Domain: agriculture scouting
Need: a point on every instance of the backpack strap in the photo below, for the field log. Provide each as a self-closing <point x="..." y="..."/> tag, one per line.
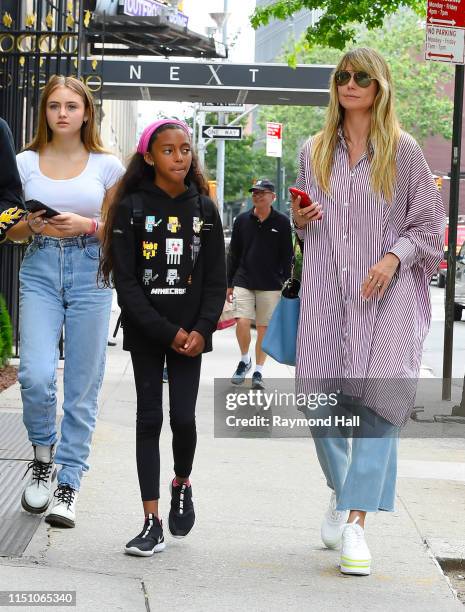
<point x="138" y="218"/>
<point x="207" y="218"/>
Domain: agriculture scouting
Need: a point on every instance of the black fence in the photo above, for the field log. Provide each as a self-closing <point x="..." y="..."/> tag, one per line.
<point x="33" y="46"/>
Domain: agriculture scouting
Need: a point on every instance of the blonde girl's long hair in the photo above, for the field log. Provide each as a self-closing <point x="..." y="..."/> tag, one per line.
<point x="384" y="130"/>
<point x="89" y="133"/>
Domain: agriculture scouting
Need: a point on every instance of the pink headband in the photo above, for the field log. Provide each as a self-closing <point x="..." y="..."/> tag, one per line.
<point x="144" y="140"/>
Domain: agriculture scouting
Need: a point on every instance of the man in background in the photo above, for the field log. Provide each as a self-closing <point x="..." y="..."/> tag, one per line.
<point x="259" y="262"/>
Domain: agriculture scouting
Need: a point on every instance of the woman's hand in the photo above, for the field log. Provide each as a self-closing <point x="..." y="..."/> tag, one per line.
<point x="380" y="276"/>
<point x="194" y="345"/>
<point x="37" y="223"/>
<point x="303" y="216"/>
<point x="70" y="224"/>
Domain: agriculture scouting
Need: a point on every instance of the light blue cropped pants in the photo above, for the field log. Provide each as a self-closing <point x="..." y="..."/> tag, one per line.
<point x="361" y="470"/>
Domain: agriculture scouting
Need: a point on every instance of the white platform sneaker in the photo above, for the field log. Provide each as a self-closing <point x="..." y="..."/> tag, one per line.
<point x="355" y="555"/>
<point x="38" y="492"/>
<point x="63" y="511"/>
<point x="333" y="524"/>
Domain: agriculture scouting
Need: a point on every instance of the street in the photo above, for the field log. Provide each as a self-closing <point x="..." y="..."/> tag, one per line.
<point x="259" y="503"/>
<point x="434" y="343"/>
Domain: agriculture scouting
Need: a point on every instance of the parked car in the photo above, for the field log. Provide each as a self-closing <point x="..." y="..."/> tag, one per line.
<point x="442" y="271"/>
<point x="459" y="304"/>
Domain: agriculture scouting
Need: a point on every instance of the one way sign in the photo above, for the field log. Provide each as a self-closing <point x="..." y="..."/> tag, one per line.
<point x="222" y="131"/>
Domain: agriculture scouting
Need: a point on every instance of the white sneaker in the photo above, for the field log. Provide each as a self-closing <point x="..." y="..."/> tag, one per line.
<point x="38" y="492"/>
<point x="355" y="555"/>
<point x="63" y="512"/>
<point x="333" y="523"/>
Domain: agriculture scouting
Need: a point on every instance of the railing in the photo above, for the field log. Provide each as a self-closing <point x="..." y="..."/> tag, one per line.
<point x="38" y="38"/>
<point x="11" y="256"/>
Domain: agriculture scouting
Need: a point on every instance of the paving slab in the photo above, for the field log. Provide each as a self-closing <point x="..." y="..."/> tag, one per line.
<point x="101" y="592"/>
<point x="259" y="503"/>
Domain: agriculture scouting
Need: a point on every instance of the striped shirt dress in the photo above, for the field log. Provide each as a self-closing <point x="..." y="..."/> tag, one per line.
<point x="368" y="349"/>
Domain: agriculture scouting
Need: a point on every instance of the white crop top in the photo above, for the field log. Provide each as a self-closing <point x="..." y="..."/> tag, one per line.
<point x="82" y="194"/>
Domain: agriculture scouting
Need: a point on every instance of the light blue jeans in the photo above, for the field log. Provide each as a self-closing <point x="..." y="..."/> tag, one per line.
<point x="58" y="290"/>
<point x="361" y="470"/>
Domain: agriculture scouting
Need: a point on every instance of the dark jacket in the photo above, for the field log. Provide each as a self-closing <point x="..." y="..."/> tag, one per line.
<point x="11" y="190"/>
<point x="260" y="253"/>
<point x="159" y="285"/>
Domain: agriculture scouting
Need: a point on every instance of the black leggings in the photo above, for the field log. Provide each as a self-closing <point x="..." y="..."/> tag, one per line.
<point x="184" y="377"/>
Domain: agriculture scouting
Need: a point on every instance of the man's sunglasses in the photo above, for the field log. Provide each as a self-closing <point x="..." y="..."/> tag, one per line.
<point x="363" y="79"/>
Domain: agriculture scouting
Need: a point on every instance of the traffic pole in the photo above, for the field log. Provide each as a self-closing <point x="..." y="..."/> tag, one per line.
<point x="220" y="160"/>
<point x="194" y="125"/>
<point x="201" y="145"/>
<point x="278" y="184"/>
<point x="222" y="120"/>
<point x="452" y="237"/>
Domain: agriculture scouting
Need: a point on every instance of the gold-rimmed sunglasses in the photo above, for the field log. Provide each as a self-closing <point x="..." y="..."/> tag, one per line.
<point x="361" y="78"/>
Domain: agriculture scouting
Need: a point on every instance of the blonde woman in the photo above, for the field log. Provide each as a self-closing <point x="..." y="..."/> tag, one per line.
<point x="373" y="237"/>
<point x="66" y="168"/>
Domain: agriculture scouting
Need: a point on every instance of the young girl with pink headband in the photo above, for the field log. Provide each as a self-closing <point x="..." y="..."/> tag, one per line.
<point x="164" y="249"/>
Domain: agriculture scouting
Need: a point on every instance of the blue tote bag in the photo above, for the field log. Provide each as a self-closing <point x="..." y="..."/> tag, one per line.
<point x="281" y="336"/>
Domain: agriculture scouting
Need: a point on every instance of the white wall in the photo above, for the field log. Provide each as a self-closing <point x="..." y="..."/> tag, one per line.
<point x="119" y="127"/>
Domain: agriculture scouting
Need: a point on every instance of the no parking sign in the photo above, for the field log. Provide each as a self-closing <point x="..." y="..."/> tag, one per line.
<point x="274" y="139"/>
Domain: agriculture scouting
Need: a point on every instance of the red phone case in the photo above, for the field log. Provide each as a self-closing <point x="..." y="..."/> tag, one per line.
<point x="304" y="197"/>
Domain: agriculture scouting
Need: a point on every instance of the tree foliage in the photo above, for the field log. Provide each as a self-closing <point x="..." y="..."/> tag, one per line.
<point x="422" y="105"/>
<point x="335" y="28"/>
<point x="6" y="333"/>
<point x="239" y="166"/>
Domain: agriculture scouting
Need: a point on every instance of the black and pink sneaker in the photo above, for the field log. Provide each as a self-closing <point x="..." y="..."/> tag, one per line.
<point x="182" y="516"/>
<point x="150" y="540"/>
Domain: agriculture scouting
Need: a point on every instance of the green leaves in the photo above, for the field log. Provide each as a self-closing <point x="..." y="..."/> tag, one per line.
<point x="422" y="105"/>
<point x="277" y="10"/>
<point x="239" y="166"/>
<point x="335" y="28"/>
<point x="6" y="333"/>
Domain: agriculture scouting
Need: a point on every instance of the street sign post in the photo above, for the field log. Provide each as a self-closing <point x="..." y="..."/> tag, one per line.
<point x="221" y="107"/>
<point x="222" y="131"/>
<point x="274" y="139"/>
<point x="445" y="31"/>
<point x="452" y="235"/>
<point x="445" y="42"/>
<point x="446" y="13"/>
<point x="274" y="148"/>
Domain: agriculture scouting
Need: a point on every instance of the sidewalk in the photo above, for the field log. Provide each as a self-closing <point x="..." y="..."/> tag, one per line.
<point x="259" y="502"/>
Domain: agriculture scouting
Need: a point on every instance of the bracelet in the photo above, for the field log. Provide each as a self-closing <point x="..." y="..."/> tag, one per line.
<point x="94" y="229"/>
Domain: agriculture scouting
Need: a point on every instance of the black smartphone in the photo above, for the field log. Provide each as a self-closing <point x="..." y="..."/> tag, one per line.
<point x="35" y="206"/>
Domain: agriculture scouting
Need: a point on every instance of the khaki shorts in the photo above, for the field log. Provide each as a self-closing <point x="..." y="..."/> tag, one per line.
<point x="254" y="304"/>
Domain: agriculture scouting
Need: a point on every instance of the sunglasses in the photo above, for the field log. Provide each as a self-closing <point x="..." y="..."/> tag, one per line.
<point x="363" y="79"/>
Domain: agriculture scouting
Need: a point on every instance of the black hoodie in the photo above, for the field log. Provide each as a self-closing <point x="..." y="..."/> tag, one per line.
<point x="11" y="199"/>
<point x="176" y="276"/>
